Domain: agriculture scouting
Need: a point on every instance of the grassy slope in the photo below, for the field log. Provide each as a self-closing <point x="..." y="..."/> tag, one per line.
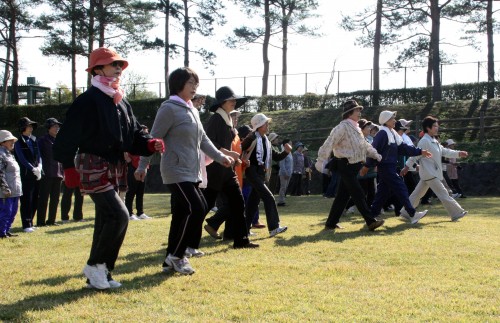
<point x="286" y="121"/>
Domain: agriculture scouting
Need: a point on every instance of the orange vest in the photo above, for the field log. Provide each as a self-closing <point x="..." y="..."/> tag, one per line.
<point x="236" y="147"/>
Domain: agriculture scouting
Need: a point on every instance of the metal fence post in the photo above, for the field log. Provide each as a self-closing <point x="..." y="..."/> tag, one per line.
<point x="481" y="127"/>
<point x="306" y="84"/>
<point x="159" y="88"/>
<point x="405" y="79"/>
<point x="274" y="84"/>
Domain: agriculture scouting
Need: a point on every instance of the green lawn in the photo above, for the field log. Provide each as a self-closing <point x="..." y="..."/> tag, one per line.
<point x="436" y="270"/>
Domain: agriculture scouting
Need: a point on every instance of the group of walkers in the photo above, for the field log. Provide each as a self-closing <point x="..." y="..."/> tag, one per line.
<point x="222" y="162"/>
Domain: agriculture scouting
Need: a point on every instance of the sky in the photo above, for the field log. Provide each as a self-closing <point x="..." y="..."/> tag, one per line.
<point x="241" y="69"/>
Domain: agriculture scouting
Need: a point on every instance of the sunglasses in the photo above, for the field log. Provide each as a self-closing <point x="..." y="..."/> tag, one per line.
<point x="117" y="64"/>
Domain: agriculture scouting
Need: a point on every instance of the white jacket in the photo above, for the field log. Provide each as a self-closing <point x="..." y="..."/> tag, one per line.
<point x="430" y="168"/>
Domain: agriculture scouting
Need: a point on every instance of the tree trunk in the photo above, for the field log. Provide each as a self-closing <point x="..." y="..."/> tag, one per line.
<point x="376" y="55"/>
<point x="436" y="75"/>
<point x="6" y="76"/>
<point x="491" y="56"/>
<point x="167" y="46"/>
<point x="15" y="59"/>
<point x="73" y="46"/>
<point x="428" y="80"/>
<point x="102" y="25"/>
<point x="265" y="47"/>
<point x="284" y="52"/>
<point x="91" y="35"/>
<point x="186" y="34"/>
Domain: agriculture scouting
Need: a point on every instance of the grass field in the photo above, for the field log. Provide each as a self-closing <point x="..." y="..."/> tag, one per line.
<point x="436" y="270"/>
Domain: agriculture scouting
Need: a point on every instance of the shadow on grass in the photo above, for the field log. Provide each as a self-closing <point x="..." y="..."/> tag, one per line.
<point x="71" y="228"/>
<point x="131" y="263"/>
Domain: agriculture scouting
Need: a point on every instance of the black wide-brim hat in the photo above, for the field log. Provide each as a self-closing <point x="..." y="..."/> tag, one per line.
<point x="24" y="122"/>
<point x="225" y="93"/>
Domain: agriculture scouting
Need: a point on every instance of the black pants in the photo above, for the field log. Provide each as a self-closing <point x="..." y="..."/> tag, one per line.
<point x="67" y="193"/>
<point x="111" y="222"/>
<point x="50" y="188"/>
<point x="349" y="187"/>
<point x="188" y="207"/>
<point x="456" y="186"/>
<point x="255" y="176"/>
<point x="135" y="189"/>
<point x="295" y="185"/>
<point x="28" y="201"/>
<point x="233" y="210"/>
<point x="222" y="215"/>
<point x="369" y="187"/>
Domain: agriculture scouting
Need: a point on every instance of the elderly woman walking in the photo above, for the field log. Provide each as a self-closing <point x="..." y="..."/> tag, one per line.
<point x="350" y="149"/>
<point x="99" y="127"/>
<point x="178" y="123"/>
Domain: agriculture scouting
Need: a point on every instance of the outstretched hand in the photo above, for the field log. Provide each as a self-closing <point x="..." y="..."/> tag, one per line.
<point x="463" y="154"/>
<point x="426" y="153"/>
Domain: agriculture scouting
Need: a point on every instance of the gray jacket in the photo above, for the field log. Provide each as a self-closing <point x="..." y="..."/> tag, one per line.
<point x="10" y="174"/>
<point x="182" y="132"/>
<point x="286" y="166"/>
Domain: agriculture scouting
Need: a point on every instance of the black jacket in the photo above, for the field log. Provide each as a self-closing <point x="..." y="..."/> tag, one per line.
<point x="94" y="124"/>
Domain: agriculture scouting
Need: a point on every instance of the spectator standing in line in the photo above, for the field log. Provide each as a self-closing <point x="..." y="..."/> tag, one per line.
<point x="30" y="163"/>
<point x="453" y="168"/>
<point x="135" y="188"/>
<point x="50" y="184"/>
<point x="10" y="184"/>
<point x="285" y="173"/>
<point x="67" y="194"/>
<point x="99" y="127"/>
<point x="350" y="148"/>
<point x="258" y="147"/>
<point x="390" y="145"/>
<point x="295" y="186"/>
<point x="178" y="123"/>
<point x="431" y="174"/>
<point x="308" y="165"/>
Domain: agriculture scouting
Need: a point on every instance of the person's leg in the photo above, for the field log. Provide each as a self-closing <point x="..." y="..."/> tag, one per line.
<point x="5" y="211"/>
<point x="456" y="186"/>
<point x="418" y="193"/>
<point x="284" y="180"/>
<point x="236" y="217"/>
<point x="188" y="211"/>
<point x="219" y="217"/>
<point x="26" y="201"/>
<point x="449" y="203"/>
<point x="13" y="211"/>
<point x="139" y="197"/>
<point x="43" y="200"/>
<point x="55" y="192"/>
<point x="333" y="185"/>
<point x="256" y="177"/>
<point x="78" y="205"/>
<point x="65" y="201"/>
<point x="131" y="190"/>
<point x="110" y="228"/>
<point x="400" y="191"/>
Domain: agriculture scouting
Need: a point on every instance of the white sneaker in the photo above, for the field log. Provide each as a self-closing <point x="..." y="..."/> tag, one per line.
<point x="459" y="216"/>
<point x="418" y="215"/>
<point x="112" y="283"/>
<point x="276" y="231"/>
<point x="456" y="195"/>
<point x="192" y="252"/>
<point x="251" y="234"/>
<point x="29" y="230"/>
<point x="404" y="215"/>
<point x="97" y="276"/>
<point x="214" y="209"/>
<point x="180" y="265"/>
<point x="133" y="217"/>
<point x="143" y="216"/>
<point x="351" y="210"/>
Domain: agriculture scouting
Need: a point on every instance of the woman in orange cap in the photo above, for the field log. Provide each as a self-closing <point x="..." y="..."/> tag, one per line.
<point x="99" y="127"/>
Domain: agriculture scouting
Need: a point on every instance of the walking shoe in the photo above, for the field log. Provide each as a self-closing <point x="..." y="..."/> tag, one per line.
<point x="133" y="217"/>
<point x="417" y="216"/>
<point x="64" y="221"/>
<point x="143" y="216"/>
<point x="192" y="252"/>
<point x="258" y="225"/>
<point x="249" y="245"/>
<point x="276" y="231"/>
<point x="212" y="232"/>
<point x="337" y="226"/>
<point x="214" y="209"/>
<point x="404" y="215"/>
<point x="97" y="275"/>
<point x="180" y="265"/>
<point x="456" y="195"/>
<point x="8" y="234"/>
<point x="112" y="283"/>
<point x="251" y="234"/>
<point x="459" y="216"/>
<point x="281" y="204"/>
<point x="378" y="222"/>
<point x="29" y="230"/>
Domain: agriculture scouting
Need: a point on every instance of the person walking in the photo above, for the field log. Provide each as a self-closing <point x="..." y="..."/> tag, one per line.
<point x="350" y="150"/>
<point x="50" y="184"/>
<point x="178" y="123"/>
<point x="30" y="163"/>
<point x="10" y="184"/>
<point x="452" y="170"/>
<point x="67" y="195"/>
<point x="431" y="173"/>
<point x="258" y="149"/>
<point x="285" y="173"/>
<point x="295" y="186"/>
<point x="99" y="127"/>
<point x="390" y="145"/>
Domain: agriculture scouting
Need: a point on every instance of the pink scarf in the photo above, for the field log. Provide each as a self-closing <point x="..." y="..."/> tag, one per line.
<point x="110" y="86"/>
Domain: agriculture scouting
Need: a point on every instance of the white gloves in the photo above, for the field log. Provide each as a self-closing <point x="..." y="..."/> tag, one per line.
<point x="38" y="172"/>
